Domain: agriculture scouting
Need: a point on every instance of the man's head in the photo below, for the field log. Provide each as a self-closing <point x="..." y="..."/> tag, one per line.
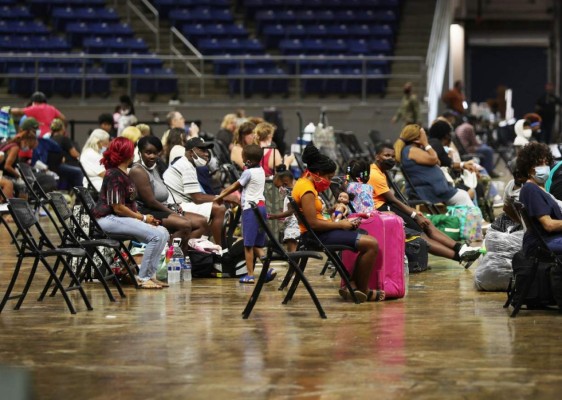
<point x="175" y="120"/>
<point x="385" y="157"/>
<point x="197" y="151"/>
<point x="30" y="124"/>
<point x="105" y="122"/>
<point x="458" y="85"/>
<point x="442" y="131"/>
<point x="408" y="88"/>
<point x="38" y="98"/>
<point x="252" y="155"/>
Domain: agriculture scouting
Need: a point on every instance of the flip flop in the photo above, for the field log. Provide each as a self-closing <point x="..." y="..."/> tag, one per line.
<point x="160" y="283"/>
<point x="271" y="274"/>
<point x="376" y="295"/>
<point x="149" y="285"/>
<point x="247" y="279"/>
<point x="344" y="293"/>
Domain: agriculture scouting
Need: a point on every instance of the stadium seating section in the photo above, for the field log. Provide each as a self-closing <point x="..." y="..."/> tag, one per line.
<point x="293" y="28"/>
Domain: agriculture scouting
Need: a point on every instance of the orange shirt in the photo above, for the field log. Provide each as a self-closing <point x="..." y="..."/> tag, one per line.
<point x="380" y="186"/>
<point x="303" y="186"/>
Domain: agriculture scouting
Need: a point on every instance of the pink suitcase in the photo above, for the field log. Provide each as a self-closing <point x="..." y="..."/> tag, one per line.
<point x="388" y="229"/>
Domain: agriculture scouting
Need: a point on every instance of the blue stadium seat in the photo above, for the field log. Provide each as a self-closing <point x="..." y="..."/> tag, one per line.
<point x="291" y="47"/>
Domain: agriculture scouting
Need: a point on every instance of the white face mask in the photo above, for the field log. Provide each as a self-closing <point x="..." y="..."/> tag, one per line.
<point x="199" y="161"/>
<point x="103" y="149"/>
<point x="527" y="133"/>
<point x="144" y="165"/>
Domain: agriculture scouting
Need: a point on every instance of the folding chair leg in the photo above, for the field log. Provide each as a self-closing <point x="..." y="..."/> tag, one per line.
<point x="509" y="294"/>
<point x="345" y="276"/>
<point x="287" y="279"/>
<point x="526" y="289"/>
<point x="50" y="282"/>
<point x="257" y="290"/>
<point x="12" y="283"/>
<point x="299" y="272"/>
<point x="75" y="284"/>
<point x="58" y="284"/>
<point x="127" y="265"/>
<point x="110" y="275"/>
<point x="27" y="284"/>
<point x="325" y="267"/>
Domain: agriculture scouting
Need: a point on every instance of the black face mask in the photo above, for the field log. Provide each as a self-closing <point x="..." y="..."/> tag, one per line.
<point x="389" y="163"/>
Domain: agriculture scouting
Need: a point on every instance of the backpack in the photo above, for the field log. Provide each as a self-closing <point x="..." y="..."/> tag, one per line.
<point x="540" y="293"/>
<point x="470" y="221"/>
<point x="450" y="225"/>
<point x="417" y="253"/>
<point x="231" y="264"/>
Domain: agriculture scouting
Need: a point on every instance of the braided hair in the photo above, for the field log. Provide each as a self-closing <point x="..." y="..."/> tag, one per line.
<point x="317" y="162"/>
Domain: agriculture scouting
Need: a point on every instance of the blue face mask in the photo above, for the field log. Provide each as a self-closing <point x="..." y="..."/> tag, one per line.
<point x="103" y="149"/>
<point x="541" y="174"/>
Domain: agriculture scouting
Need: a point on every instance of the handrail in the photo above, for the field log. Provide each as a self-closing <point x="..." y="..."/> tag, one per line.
<point x="185" y="77"/>
<point x="198" y="73"/>
<point x="154" y="27"/>
<point x="437" y="52"/>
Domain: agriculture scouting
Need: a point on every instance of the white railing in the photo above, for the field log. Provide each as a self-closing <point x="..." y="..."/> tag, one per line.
<point x="152" y="26"/>
<point x="180" y="52"/>
<point x="437" y="54"/>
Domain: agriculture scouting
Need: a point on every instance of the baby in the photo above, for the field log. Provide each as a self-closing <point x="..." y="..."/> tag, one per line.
<point x="341" y="209"/>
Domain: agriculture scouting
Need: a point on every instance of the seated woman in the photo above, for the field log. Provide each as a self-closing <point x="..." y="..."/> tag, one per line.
<point x="533" y="164"/>
<point x="175" y="145"/>
<point x="317" y="179"/>
<point x="153" y="194"/>
<point x="243" y="136"/>
<point x="91" y="156"/>
<point x="25" y="140"/>
<point x="116" y="211"/>
<point x="263" y="133"/>
<point x="420" y="161"/>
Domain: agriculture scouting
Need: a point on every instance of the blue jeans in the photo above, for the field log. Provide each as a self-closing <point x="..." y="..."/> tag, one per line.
<point x="155" y="237"/>
<point x="487" y="159"/>
<point x="70" y="176"/>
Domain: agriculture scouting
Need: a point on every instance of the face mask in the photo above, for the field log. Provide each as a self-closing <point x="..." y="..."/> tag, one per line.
<point x="320" y="184"/>
<point x="284" y="191"/>
<point x="541" y="173"/>
<point x="25" y="148"/>
<point x="199" y="161"/>
<point x="527" y="133"/>
<point x="447" y="149"/>
<point x="144" y="165"/>
<point x="389" y="163"/>
<point x="103" y="149"/>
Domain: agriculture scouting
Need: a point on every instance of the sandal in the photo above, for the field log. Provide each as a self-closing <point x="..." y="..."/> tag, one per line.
<point x="149" y="284"/>
<point x="376" y="295"/>
<point x="344" y="293"/>
<point x="160" y="283"/>
<point x="247" y="279"/>
<point x="271" y="274"/>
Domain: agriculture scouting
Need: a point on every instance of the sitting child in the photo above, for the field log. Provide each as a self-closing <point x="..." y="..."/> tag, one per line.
<point x="358" y="174"/>
<point x="284" y="181"/>
<point x="341" y="208"/>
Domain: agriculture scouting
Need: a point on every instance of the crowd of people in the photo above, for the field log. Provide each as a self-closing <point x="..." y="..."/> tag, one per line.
<point x="159" y="189"/>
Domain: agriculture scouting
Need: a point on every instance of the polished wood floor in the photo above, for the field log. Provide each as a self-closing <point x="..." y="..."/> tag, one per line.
<point x="444" y="340"/>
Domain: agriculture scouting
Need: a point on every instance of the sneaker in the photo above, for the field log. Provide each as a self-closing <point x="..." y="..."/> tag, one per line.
<point x="498" y="201"/>
<point x="469" y="255"/>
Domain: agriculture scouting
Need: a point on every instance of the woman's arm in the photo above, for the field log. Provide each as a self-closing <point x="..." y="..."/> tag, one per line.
<point x="11" y="158"/>
<point x="236" y="156"/>
<point x="144" y="190"/>
<point x="122" y="210"/>
<point x="309" y="212"/>
<point x="423" y="157"/>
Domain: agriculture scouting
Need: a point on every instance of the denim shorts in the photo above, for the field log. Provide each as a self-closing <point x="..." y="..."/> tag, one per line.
<point x="341" y="237"/>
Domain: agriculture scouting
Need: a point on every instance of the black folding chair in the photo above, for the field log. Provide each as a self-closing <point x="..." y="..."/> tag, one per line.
<point x="413" y="195"/>
<point x="37" y="196"/>
<point x="232" y="216"/>
<point x="312" y="242"/>
<point x="275" y="252"/>
<point x="96" y="232"/>
<point x="36" y="244"/>
<point x="74" y="236"/>
<point x="413" y="202"/>
<point x="541" y="253"/>
<point x="300" y="162"/>
<point x="91" y="188"/>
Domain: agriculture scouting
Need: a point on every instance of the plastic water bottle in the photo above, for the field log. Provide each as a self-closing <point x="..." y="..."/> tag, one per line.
<point x="176" y="263"/>
<point x="186" y="270"/>
<point x="406" y="274"/>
